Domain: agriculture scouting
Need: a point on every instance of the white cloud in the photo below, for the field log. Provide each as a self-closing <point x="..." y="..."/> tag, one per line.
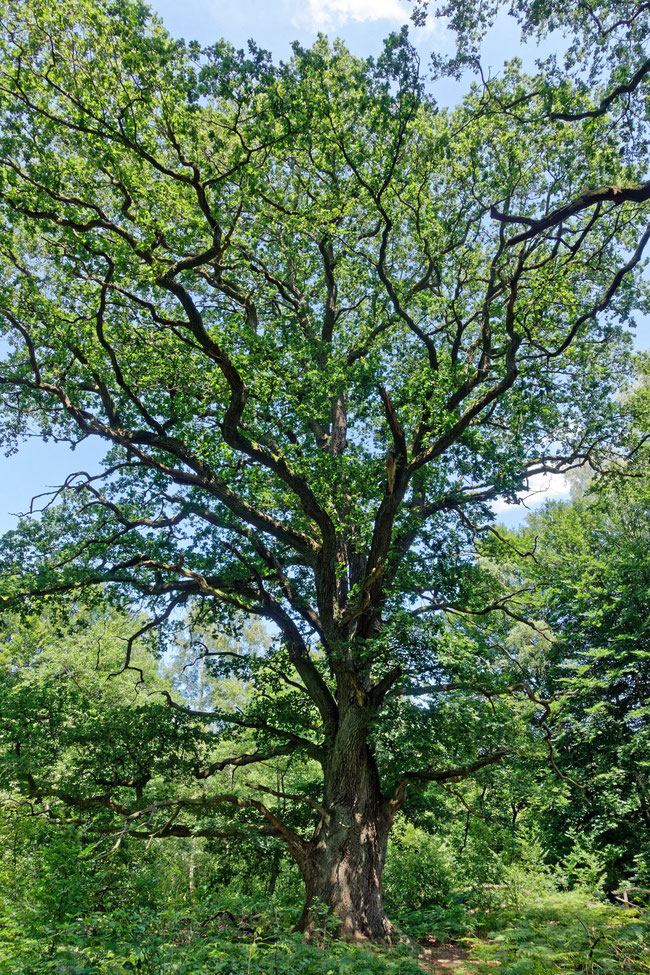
<point x="326" y="14"/>
<point x="541" y="488"/>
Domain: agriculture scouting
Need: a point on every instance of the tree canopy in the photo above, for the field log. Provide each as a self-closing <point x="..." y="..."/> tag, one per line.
<point x="320" y="324"/>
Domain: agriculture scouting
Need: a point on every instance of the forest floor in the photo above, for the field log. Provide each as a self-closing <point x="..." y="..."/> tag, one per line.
<point x="519" y="933"/>
<point x="445" y="957"/>
<point x="558" y="933"/>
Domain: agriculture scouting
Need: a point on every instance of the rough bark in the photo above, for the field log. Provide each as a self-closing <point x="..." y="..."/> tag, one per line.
<point x="342" y="865"/>
<point x="343" y="873"/>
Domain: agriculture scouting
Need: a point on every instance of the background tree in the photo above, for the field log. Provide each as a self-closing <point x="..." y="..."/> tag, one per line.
<point x="72" y="726"/>
<point x="591" y="580"/>
<point x="321" y="324"/>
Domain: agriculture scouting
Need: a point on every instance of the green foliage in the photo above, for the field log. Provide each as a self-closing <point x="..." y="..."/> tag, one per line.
<point x="226" y="934"/>
<point x="229" y="934"/>
<point x="589" y="586"/>
<point x="585" y="865"/>
<point x="564" y="934"/>
<point x="419" y="869"/>
<point x="320" y="325"/>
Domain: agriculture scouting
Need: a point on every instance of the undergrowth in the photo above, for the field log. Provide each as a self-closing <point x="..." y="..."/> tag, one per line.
<point x="546" y="934"/>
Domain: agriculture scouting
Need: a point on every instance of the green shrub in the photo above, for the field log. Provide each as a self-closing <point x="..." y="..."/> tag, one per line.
<point x="418" y="869"/>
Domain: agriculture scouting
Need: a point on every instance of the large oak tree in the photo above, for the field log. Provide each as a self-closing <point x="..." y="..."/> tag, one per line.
<point x="321" y="323"/>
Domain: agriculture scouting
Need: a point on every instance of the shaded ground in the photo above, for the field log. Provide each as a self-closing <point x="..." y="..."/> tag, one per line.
<point x="447" y="956"/>
<point x="550" y="933"/>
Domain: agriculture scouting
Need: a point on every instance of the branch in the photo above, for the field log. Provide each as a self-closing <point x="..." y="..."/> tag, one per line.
<point x="399" y="440"/>
<point x="238" y="398"/>
<point x="200" y="474"/>
<point x="238" y="761"/>
<point x="256" y="724"/>
<point x="472" y="812"/>
<point x="295" y="842"/>
<point x="426" y="689"/>
<point x="381" y="688"/>
<point x="459" y="773"/>
<point x="293" y="797"/>
<point x="623" y="89"/>
<point x="614" y="194"/>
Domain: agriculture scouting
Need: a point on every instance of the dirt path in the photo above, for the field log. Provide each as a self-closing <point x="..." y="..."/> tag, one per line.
<point x="447" y="957"/>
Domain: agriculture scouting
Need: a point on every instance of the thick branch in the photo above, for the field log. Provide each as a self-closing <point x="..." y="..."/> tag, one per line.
<point x="459" y="773"/>
<point x="239" y="761"/>
<point x="602" y="194"/>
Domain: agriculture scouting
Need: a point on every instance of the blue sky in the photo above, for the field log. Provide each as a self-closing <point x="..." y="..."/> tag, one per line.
<point x="274" y="25"/>
<point x="363" y="25"/>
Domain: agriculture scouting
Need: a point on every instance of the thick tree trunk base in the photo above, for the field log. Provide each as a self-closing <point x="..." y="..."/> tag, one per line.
<point x="342" y="865"/>
<point x="356" y="930"/>
<point x="315" y="924"/>
<point x="342" y="874"/>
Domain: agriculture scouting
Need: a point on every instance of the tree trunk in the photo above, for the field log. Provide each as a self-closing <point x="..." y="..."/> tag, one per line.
<point x="275" y="870"/>
<point x="343" y="872"/>
<point x="343" y="864"/>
